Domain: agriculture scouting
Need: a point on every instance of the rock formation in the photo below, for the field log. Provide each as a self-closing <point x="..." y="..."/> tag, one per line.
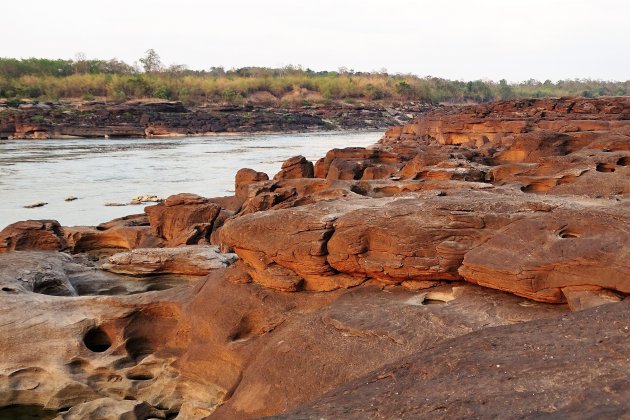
<point x="192" y="260"/>
<point x="430" y="275"/>
<point x="160" y="118"/>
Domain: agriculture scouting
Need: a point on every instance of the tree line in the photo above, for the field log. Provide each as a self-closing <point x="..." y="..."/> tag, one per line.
<point x="114" y="80"/>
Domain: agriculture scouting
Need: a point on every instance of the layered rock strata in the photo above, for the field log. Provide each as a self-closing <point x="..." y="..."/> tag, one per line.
<point x="451" y="235"/>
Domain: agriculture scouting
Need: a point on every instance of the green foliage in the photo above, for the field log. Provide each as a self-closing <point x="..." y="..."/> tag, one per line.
<point x="151" y="61"/>
<point x="115" y="80"/>
<point x="161" y="92"/>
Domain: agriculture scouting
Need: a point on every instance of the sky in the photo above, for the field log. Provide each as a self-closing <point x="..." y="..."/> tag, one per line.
<point x="515" y="40"/>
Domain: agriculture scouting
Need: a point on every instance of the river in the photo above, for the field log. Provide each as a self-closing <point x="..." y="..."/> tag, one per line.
<point x="98" y="171"/>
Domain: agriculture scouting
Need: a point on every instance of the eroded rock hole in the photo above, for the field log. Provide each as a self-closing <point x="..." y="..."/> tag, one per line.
<point x="97" y="340"/>
<point x="139" y="376"/>
<point x="536" y="187"/>
<point x="605" y="167"/>
<point x="157" y="287"/>
<point x="568" y="234"/>
<point x="8" y="289"/>
<point x="138" y="348"/>
<point x="624" y="161"/>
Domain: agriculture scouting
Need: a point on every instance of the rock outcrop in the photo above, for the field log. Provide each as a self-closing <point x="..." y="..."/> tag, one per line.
<point x="159" y="118"/>
<point x="425" y="205"/>
<point x="44" y="235"/>
<point x="183" y="219"/>
<point x="295" y="167"/>
<point x="128" y="232"/>
<point x="442" y="266"/>
<point x="193" y="260"/>
<point x="529" y="370"/>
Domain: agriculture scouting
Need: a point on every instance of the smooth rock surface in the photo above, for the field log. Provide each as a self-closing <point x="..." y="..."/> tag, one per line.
<point x="194" y="260"/>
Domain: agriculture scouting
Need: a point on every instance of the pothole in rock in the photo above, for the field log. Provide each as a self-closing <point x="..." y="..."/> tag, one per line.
<point x="138" y="348"/>
<point x="568" y="233"/>
<point x="424" y="299"/>
<point x="139" y="376"/>
<point x="26" y="412"/>
<point x="605" y="167"/>
<point x="109" y="284"/>
<point x="538" y="186"/>
<point x="97" y="340"/>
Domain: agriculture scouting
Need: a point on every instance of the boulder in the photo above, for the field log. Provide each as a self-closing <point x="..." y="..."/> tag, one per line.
<point x="128" y="232"/>
<point x="295" y="167"/>
<point x="244" y="178"/>
<point x="183" y="219"/>
<point x="193" y="260"/>
<point x="43" y="235"/>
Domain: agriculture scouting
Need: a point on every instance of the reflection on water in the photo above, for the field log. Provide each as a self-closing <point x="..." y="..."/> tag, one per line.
<point x="99" y="171"/>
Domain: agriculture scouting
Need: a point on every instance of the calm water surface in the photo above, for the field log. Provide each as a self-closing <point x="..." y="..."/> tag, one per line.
<point x="99" y="171"/>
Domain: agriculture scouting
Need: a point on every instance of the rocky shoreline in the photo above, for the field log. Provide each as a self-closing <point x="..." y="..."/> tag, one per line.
<point x="472" y="263"/>
<point x="159" y="118"/>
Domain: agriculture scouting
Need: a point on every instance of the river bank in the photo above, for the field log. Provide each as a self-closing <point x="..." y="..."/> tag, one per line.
<point x="159" y="118"/>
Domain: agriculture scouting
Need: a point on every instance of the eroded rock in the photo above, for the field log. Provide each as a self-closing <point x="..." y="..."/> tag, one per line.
<point x="194" y="260"/>
<point x="44" y="235"/>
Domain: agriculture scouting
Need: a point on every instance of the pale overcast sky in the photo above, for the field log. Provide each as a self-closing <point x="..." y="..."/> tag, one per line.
<point x="459" y="39"/>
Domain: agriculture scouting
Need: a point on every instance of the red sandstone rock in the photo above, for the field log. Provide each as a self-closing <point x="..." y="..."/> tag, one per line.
<point x="527" y="197"/>
<point x="295" y="167"/>
<point x="43" y="235"/>
<point x="128" y="232"/>
<point x="193" y="260"/>
<point x="183" y="219"/>
<point x="532" y="248"/>
<point x="244" y="178"/>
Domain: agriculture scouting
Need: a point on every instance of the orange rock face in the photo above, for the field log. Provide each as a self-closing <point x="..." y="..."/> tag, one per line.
<point x="42" y="235"/>
<point x="183" y="219"/>
<point x="528" y="197"/>
<point x="476" y="212"/>
<point x="296" y="167"/>
<point x="128" y="232"/>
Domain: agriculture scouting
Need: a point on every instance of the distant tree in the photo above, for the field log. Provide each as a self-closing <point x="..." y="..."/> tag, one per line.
<point x="80" y="63"/>
<point x="151" y="61"/>
<point x="177" y="68"/>
<point x="217" y="71"/>
<point x="505" y="90"/>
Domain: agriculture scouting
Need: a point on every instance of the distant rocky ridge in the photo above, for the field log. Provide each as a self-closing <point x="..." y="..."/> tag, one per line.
<point x="430" y="275"/>
<point x="158" y="118"/>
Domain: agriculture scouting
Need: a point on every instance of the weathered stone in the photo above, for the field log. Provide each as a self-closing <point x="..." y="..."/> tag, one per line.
<point x="197" y="260"/>
<point x="188" y="213"/>
<point x="43" y="235"/>
<point x="295" y="167"/>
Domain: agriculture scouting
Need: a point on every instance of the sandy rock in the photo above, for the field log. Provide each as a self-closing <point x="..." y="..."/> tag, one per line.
<point x="295" y="167"/>
<point x="585" y="297"/>
<point x="146" y="199"/>
<point x="128" y="232"/>
<point x="244" y="178"/>
<point x="35" y="205"/>
<point x="437" y="250"/>
<point x="194" y="260"/>
<point x="45" y="235"/>
<point x="112" y="409"/>
<point x="180" y="213"/>
<point x="464" y="235"/>
<point x="533" y="369"/>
